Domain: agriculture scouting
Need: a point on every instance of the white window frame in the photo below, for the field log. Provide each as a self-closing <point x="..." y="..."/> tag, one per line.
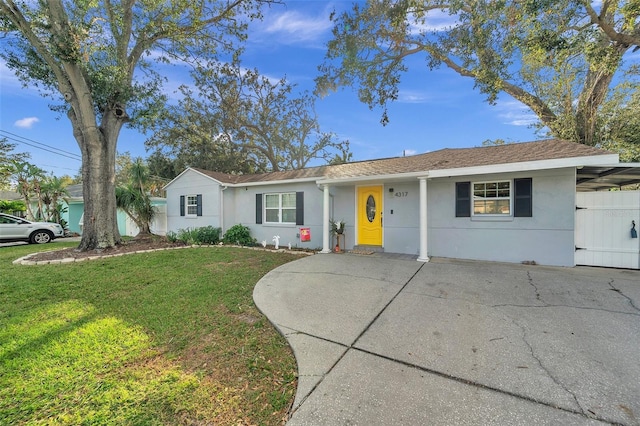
<point x="279" y="208"/>
<point x="187" y="205"/>
<point x="475" y="198"/>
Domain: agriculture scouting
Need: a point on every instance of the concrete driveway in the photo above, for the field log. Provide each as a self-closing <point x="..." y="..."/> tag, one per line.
<point x="386" y="341"/>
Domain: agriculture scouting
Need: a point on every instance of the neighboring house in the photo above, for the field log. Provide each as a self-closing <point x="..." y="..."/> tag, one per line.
<point x="511" y="203"/>
<point x="11" y="196"/>
<point x="75" y="214"/>
<point x="75" y="208"/>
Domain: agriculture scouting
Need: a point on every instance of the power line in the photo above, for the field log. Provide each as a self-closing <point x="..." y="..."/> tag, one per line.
<point x="56" y="167"/>
<point x="44" y="147"/>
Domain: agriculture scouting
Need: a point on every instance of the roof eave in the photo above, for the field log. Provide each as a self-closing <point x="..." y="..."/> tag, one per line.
<point x="195" y="171"/>
<point x="373" y="178"/>
<point x="557" y="163"/>
<point x="270" y="182"/>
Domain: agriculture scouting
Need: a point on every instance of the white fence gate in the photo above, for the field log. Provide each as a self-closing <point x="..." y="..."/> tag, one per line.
<point x="603" y="229"/>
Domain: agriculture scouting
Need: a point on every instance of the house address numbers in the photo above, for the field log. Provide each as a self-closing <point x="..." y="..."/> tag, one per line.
<point x="401" y="194"/>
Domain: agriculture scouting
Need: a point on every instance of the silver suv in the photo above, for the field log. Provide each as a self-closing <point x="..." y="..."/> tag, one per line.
<point x="13" y="228"/>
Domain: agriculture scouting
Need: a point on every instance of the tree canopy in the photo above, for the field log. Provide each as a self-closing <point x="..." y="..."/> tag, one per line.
<point x="95" y="60"/>
<point x="563" y="59"/>
<point x="238" y="121"/>
<point x="7" y="159"/>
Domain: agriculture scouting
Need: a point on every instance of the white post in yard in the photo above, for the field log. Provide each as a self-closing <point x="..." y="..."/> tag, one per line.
<point x="423" y="221"/>
<point x="325" y="221"/>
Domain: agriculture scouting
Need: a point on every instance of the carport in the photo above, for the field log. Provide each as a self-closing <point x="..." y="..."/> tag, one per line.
<point x="605" y="219"/>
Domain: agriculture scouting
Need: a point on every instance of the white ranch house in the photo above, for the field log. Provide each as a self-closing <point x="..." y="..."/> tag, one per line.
<point x="508" y="203"/>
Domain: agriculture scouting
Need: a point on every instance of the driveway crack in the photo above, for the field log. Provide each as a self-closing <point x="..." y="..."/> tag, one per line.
<point x="617" y="290"/>
<point x="549" y="306"/>
<point x="533" y="284"/>
<point x="545" y="369"/>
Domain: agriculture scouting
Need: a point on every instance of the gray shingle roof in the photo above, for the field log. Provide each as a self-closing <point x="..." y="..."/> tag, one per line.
<point x="449" y="158"/>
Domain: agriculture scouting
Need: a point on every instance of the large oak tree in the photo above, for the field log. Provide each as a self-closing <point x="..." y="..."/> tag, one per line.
<point x="94" y="58"/>
<point x="236" y="120"/>
<point x="562" y="58"/>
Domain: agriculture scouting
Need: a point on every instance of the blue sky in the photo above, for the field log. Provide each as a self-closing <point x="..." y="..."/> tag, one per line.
<point x="436" y="109"/>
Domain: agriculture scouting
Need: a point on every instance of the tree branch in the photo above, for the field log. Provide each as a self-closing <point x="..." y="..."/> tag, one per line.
<point x="10" y="10"/>
<point x="626" y="40"/>
<point x="541" y="109"/>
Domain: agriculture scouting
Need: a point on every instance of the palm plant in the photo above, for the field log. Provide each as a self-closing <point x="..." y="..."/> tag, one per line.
<point x="134" y="199"/>
<point x="53" y="188"/>
<point x="28" y="179"/>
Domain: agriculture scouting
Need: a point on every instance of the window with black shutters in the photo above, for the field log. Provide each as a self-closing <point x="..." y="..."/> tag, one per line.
<point x="523" y="198"/>
<point x="463" y="199"/>
<point x="191" y="205"/>
<point x="280" y="208"/>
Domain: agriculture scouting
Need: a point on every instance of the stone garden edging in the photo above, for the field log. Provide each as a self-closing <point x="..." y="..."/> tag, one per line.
<point x="24" y="260"/>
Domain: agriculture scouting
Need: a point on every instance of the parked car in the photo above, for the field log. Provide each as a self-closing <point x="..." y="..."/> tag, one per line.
<point x="14" y="228"/>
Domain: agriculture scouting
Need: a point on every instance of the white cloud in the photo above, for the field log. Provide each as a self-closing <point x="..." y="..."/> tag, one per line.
<point x="515" y="113"/>
<point x="26" y="123"/>
<point x="408" y="152"/>
<point x="413" y="97"/>
<point x="296" y="27"/>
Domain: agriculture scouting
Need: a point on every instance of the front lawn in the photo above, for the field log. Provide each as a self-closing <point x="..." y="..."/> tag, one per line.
<point x="162" y="338"/>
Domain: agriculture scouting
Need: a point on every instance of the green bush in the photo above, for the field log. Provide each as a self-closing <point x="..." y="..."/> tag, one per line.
<point x="208" y="235"/>
<point x="12" y="206"/>
<point x="189" y="236"/>
<point x="239" y="234"/>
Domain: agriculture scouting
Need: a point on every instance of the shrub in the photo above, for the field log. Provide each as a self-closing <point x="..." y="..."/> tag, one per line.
<point x="189" y="236"/>
<point x="208" y="235"/>
<point x="12" y="207"/>
<point x="239" y="234"/>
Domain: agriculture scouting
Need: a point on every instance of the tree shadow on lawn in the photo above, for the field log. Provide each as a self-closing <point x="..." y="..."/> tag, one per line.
<point x="197" y="327"/>
<point x="64" y="363"/>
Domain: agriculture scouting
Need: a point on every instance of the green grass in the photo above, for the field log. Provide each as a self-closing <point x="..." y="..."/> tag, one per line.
<point x="169" y="337"/>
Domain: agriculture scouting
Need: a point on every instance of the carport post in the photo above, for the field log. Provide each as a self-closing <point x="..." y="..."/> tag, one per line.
<point x="423" y="221"/>
<point x="325" y="221"/>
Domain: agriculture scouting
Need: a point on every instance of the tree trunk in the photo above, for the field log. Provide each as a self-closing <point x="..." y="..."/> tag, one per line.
<point x="98" y="147"/>
<point x="594" y="92"/>
<point x="145" y="230"/>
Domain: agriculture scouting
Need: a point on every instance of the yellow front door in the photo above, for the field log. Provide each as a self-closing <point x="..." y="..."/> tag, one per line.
<point x="370" y="215"/>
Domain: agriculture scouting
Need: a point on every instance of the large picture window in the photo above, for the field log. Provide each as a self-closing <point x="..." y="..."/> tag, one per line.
<point x="492" y="198"/>
<point x="280" y="208"/>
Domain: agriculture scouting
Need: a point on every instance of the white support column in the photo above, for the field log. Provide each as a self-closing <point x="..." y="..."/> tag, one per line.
<point x="423" y="221"/>
<point x="325" y="221"/>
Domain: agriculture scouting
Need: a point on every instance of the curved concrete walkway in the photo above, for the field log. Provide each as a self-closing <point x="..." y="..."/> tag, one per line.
<point x="383" y="341"/>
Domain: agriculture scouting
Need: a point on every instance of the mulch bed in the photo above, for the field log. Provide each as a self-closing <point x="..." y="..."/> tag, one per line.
<point x="130" y="246"/>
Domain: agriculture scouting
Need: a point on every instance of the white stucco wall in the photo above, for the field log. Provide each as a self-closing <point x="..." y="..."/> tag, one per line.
<point x="240" y="208"/>
<point x="193" y="183"/>
<point x="401" y="217"/>
<point x="343" y="202"/>
<point x="546" y="238"/>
